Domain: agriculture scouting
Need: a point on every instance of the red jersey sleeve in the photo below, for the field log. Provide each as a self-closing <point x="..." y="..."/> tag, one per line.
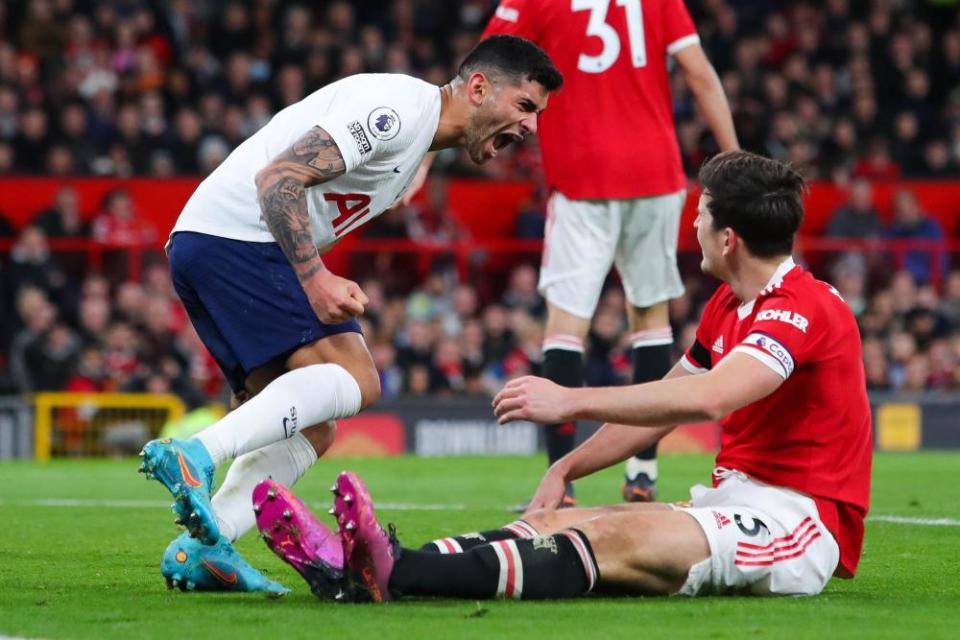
<point x="678" y="28"/>
<point x="515" y="18"/>
<point x="782" y="333"/>
<point x="697" y="358"/>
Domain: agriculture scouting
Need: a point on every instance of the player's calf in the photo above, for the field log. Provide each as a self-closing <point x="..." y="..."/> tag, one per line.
<point x="517" y="530"/>
<point x="543" y="567"/>
<point x="540" y="568"/>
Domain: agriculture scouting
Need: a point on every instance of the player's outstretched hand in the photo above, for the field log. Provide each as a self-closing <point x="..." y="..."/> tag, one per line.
<point x="549" y="494"/>
<point x="334" y="299"/>
<point x="534" y="399"/>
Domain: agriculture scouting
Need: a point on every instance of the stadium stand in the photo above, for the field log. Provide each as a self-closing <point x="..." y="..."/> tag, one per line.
<point x="110" y="111"/>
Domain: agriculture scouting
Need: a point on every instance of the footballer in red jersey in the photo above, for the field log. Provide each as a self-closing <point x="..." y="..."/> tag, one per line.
<point x="777" y="361"/>
<point x="611" y="156"/>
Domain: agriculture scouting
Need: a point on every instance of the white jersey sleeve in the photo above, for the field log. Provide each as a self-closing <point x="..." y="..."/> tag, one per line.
<point x="365" y="121"/>
<point x="383" y="125"/>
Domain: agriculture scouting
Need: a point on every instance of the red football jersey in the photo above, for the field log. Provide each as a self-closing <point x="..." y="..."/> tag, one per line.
<point x="813" y="434"/>
<point x="608" y="133"/>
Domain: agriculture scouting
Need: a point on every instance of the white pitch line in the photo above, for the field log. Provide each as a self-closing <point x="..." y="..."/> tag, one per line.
<point x="389" y="506"/>
<point x="923" y="522"/>
<point x="157" y="504"/>
<point x="411" y="506"/>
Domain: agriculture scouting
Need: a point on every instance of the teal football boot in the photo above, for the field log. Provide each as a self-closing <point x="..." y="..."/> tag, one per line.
<point x="190" y="565"/>
<point x="185" y="468"/>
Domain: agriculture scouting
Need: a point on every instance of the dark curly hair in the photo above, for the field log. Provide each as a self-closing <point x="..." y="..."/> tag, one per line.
<point x="759" y="198"/>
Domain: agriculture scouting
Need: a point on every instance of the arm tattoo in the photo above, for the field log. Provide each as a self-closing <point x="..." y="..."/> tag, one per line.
<point x="281" y="190"/>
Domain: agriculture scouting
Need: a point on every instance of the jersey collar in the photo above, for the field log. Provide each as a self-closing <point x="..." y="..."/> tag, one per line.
<point x="775" y="281"/>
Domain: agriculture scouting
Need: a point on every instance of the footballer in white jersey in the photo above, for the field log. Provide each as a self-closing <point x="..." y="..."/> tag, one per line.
<point x="382" y="124"/>
<point x="245" y="256"/>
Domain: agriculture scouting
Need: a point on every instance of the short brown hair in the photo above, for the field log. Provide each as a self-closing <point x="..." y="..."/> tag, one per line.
<point x="759" y="198"/>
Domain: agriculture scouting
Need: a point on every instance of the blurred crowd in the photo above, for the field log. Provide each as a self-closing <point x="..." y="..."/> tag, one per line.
<point x="851" y="91"/>
<point x="66" y="327"/>
<point x="169" y="88"/>
<point x="840" y="88"/>
<point x="844" y="87"/>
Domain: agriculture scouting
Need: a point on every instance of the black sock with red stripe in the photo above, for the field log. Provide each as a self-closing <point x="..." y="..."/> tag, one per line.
<point x="542" y="568"/>
<point x="458" y="544"/>
<point x="651" y="362"/>
<point x="565" y="368"/>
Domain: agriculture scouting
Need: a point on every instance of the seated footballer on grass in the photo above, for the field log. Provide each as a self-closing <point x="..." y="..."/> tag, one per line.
<point x="776" y="361"/>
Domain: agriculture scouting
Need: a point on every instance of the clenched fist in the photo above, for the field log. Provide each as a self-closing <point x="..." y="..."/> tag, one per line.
<point x="334" y="299"/>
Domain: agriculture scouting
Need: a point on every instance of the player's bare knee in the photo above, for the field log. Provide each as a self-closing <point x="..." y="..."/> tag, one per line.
<point x="321" y="436"/>
<point x="544" y="520"/>
<point x="369" y="382"/>
<point x="538" y="519"/>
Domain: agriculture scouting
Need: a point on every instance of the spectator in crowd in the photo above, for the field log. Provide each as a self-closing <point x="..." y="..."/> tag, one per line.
<point x="93" y="319"/>
<point x="950" y="305"/>
<point x="915" y="374"/>
<point x="37" y="315"/>
<point x="74" y="137"/>
<point x="936" y="162"/>
<point x="32" y="141"/>
<point x="498" y="337"/>
<point x="416" y="346"/>
<point x="418" y="380"/>
<point x="62" y="219"/>
<point x="875" y="364"/>
<point x="522" y="292"/>
<point x="51" y="358"/>
<point x="449" y="365"/>
<point x="89" y="374"/>
<point x="877" y="163"/>
<point x="911" y="223"/>
<point x="122" y="354"/>
<point x="117" y="224"/>
<point x="532" y="217"/>
<point x="858" y="218"/>
<point x="463" y="307"/>
<point x="473" y="345"/>
<point x="849" y="276"/>
<point x="391" y="377"/>
<point x="32" y="265"/>
<point x="605" y="331"/>
<point x="902" y="349"/>
<point x="131" y="302"/>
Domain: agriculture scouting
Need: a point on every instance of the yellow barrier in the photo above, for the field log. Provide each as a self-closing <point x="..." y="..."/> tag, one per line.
<point x="80" y="424"/>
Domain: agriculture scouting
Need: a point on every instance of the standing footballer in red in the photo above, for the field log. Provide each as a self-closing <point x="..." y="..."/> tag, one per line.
<point x="611" y="156"/>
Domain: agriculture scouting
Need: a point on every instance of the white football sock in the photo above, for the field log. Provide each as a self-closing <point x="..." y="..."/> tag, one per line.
<point x="635" y="467"/>
<point x="296" y="400"/>
<point x="285" y="461"/>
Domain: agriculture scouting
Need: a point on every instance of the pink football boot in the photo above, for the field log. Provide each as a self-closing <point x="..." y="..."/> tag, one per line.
<point x="369" y="552"/>
<point x="298" y="538"/>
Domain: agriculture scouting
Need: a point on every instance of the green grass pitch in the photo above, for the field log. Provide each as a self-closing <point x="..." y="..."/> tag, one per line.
<point x="81" y="542"/>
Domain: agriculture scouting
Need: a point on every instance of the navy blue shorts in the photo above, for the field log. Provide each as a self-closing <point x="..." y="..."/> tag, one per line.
<point x="245" y="301"/>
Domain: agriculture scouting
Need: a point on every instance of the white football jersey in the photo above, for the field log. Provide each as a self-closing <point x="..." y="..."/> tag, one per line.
<point x="383" y="125"/>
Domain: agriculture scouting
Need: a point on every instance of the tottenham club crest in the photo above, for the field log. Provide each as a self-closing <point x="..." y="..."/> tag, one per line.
<point x="383" y="123"/>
